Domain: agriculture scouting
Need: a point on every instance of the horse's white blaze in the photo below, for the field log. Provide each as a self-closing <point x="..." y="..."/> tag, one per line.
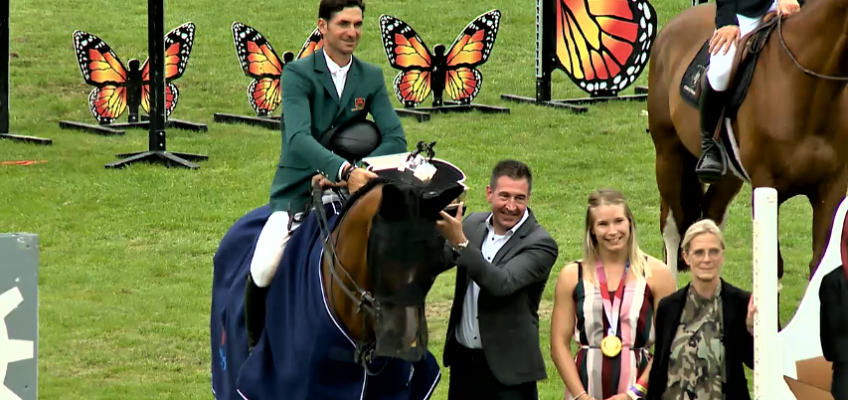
<point x="671" y="238"/>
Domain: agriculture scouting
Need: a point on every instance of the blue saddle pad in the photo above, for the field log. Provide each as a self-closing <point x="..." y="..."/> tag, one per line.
<point x="303" y="352"/>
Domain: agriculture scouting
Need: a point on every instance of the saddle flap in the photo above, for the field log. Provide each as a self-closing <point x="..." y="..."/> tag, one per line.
<point x="741" y="71"/>
<point x="753" y="42"/>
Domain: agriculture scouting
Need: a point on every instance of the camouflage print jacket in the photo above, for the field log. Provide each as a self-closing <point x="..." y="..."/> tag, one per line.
<point x="670" y="363"/>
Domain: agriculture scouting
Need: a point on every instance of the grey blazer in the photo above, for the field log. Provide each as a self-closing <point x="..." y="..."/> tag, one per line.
<point x="510" y="292"/>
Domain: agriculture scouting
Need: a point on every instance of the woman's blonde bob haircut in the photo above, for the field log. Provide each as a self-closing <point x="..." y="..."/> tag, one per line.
<point x="638" y="262"/>
<point x="699" y="228"/>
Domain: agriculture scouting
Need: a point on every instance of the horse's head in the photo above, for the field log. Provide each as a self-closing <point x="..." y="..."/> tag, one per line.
<point x="388" y="245"/>
<point x="404" y="258"/>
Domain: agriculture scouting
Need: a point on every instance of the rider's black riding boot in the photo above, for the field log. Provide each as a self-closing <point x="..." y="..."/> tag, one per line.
<point x="710" y="166"/>
<point x="254" y="311"/>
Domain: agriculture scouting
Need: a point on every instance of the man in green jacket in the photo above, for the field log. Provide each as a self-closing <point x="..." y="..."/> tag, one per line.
<point x="320" y="92"/>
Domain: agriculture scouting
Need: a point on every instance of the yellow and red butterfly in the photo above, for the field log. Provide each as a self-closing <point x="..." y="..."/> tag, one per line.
<point x="451" y="71"/>
<point x="260" y="62"/>
<point x="102" y="68"/>
<point x="604" y="45"/>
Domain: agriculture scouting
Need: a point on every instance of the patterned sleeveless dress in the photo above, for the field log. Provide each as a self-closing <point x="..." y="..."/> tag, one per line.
<point x="601" y="376"/>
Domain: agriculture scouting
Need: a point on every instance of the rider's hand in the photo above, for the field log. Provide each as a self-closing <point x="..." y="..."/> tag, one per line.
<point x="358" y="177"/>
<point x="326" y="183"/>
<point x="724" y="37"/>
<point x="788" y="7"/>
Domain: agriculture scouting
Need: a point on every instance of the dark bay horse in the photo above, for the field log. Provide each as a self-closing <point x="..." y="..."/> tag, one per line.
<point x="345" y="312"/>
<point x="788" y="131"/>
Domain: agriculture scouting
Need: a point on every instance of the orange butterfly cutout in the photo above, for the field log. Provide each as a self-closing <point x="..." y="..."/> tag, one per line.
<point x="604" y="45"/>
<point x="260" y="62"/>
<point x="453" y="71"/>
<point x="117" y="87"/>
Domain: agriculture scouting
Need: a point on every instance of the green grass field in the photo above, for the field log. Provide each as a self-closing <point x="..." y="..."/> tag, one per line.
<point x="125" y="271"/>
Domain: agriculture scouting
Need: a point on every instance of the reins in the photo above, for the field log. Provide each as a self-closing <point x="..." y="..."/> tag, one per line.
<point x="365" y="300"/>
<point x="794" y="60"/>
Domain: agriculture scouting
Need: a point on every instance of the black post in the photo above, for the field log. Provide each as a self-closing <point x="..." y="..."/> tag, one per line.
<point x="156" y="48"/>
<point x="156" y="150"/>
<point x="545" y="64"/>
<point x="5" y="50"/>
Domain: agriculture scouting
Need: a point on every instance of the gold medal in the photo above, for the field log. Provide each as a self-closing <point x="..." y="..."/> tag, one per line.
<point x="611" y="346"/>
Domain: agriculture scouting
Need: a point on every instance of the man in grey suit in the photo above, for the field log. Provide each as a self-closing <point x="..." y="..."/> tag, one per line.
<point x="503" y="259"/>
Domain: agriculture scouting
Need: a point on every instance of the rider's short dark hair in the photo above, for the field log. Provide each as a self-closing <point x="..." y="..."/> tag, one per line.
<point x="328" y="8"/>
<point x="513" y="169"/>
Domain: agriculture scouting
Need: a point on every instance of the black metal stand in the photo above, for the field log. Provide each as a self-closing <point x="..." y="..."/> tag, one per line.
<point x="273" y="123"/>
<point x="267" y="122"/>
<point x="423" y="113"/>
<point x="5" y="50"/>
<point x="143" y="123"/>
<point x="156" y="151"/>
<point x="543" y="97"/>
<point x="417" y="113"/>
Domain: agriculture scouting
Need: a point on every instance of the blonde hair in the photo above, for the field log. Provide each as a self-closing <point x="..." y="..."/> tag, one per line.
<point x="699" y="228"/>
<point x="638" y="262"/>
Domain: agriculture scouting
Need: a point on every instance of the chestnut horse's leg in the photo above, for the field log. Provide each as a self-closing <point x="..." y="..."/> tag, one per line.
<point x="671" y="239"/>
<point x="825" y="202"/>
<point x="681" y="194"/>
<point x="718" y="198"/>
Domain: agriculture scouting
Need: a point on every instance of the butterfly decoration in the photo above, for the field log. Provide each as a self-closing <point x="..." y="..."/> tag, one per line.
<point x="604" y="45"/>
<point x="260" y="62"/>
<point x="452" y="71"/>
<point x="117" y="87"/>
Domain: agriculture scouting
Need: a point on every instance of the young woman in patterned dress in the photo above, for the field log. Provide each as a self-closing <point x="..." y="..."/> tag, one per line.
<point x="608" y="297"/>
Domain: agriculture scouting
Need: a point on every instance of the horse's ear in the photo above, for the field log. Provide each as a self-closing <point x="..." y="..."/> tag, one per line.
<point x="435" y="201"/>
<point x="393" y="205"/>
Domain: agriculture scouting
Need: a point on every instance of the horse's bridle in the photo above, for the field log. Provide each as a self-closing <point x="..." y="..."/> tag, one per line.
<point x="794" y="60"/>
<point x="364" y="299"/>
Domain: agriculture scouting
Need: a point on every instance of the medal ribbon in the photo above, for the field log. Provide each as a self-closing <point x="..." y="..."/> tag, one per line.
<point x="619" y="295"/>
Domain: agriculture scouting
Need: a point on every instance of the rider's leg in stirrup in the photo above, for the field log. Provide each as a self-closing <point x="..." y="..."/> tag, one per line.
<point x="269" y="250"/>
<point x="263" y="266"/>
<point x="714" y="87"/>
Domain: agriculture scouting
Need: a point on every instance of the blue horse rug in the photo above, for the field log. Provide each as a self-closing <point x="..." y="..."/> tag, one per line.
<point x="303" y="352"/>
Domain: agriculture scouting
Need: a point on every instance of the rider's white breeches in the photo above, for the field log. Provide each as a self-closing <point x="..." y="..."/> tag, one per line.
<point x="718" y="73"/>
<point x="272" y="242"/>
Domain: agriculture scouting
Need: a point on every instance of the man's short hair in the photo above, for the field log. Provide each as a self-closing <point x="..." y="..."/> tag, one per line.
<point x="328" y="8"/>
<point x="513" y="169"/>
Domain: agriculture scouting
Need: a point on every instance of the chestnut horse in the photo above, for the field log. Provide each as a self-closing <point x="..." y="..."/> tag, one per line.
<point x="345" y="312"/>
<point x="787" y="133"/>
